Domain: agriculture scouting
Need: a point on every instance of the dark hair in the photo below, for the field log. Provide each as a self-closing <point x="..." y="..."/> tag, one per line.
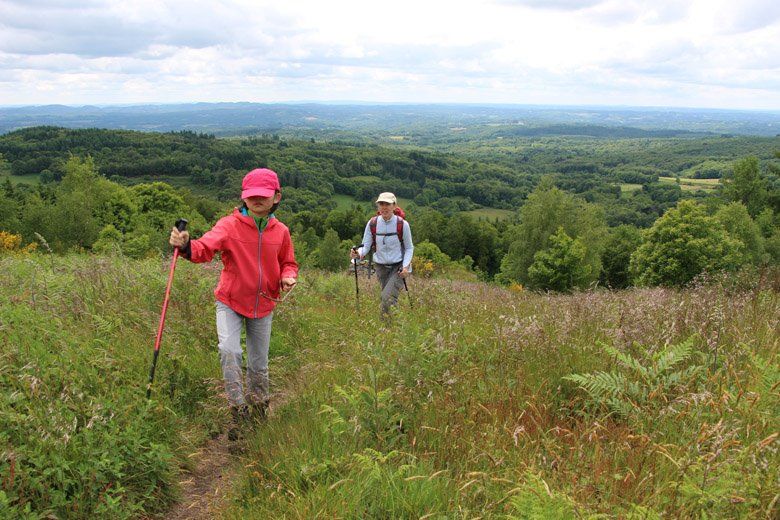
<point x="273" y="208"/>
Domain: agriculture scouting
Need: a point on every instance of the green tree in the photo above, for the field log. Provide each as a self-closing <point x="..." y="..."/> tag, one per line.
<point x="562" y="266"/>
<point x="158" y="197"/>
<point x="772" y="246"/>
<point x="767" y="222"/>
<point x="616" y="258"/>
<point x="119" y="210"/>
<point x="429" y="225"/>
<point x="547" y="209"/>
<point x="159" y="206"/>
<point x="109" y="240"/>
<point x="746" y="185"/>
<point x="332" y="254"/>
<point x="80" y="199"/>
<point x="9" y="209"/>
<point x="348" y="223"/>
<point x="683" y="243"/>
<point x="736" y="221"/>
<point x="461" y="236"/>
<point x="74" y="222"/>
<point x="769" y="225"/>
<point x="305" y="245"/>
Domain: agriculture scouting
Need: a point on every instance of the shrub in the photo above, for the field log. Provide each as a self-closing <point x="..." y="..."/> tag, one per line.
<point x="11" y="243"/>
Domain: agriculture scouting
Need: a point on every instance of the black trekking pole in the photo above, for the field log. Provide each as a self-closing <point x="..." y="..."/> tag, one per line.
<point x="407" y="289"/>
<point x="357" y="286"/>
<point x="181" y="225"/>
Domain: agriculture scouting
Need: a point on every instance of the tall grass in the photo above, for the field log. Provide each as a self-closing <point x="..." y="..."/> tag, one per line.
<point x="474" y="403"/>
<point x="466" y="406"/>
<point x="78" y="439"/>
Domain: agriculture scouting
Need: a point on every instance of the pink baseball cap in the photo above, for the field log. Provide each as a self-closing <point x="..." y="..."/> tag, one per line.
<point x="260" y="182"/>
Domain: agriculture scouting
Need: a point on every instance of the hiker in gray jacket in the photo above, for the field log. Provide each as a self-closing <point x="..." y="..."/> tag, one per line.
<point x="388" y="235"/>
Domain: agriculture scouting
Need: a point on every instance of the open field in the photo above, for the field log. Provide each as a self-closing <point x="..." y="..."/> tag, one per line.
<point x="466" y="406"/>
<point x="489" y="213"/>
<point x="628" y="188"/>
<point x="20" y="179"/>
<point x="692" y="184"/>
<point x="344" y="201"/>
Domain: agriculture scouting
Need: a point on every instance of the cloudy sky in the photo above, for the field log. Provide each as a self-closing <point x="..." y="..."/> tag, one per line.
<point x="695" y="53"/>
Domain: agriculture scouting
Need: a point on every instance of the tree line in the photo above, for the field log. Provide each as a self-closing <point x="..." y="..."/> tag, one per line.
<point x="563" y="235"/>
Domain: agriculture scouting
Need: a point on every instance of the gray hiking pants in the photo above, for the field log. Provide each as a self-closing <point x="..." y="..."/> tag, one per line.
<point x="258" y="338"/>
<point x="391" y="284"/>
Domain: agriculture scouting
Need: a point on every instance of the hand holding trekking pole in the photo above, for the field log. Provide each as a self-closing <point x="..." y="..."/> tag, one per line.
<point x="179" y="237"/>
<point x="182" y="237"/>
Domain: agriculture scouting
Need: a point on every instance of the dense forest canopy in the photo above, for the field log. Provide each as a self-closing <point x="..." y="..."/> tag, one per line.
<point x="129" y="185"/>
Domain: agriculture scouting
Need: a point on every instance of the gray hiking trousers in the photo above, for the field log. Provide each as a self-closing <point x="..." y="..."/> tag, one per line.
<point x="258" y="338"/>
<point x="391" y="284"/>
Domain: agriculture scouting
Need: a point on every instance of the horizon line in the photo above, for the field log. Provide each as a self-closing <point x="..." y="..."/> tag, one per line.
<point x="388" y="103"/>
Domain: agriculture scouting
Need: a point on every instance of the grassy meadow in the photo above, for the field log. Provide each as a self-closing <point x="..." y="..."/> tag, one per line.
<point x="490" y="213"/>
<point x="691" y="184"/>
<point x="476" y="402"/>
<point x="20" y="179"/>
<point x="629" y="188"/>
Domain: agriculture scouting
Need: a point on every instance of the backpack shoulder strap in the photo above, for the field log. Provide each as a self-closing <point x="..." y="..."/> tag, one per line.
<point x="400" y="229"/>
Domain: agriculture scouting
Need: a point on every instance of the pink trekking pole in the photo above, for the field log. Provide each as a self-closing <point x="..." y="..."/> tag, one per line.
<point x="181" y="225"/>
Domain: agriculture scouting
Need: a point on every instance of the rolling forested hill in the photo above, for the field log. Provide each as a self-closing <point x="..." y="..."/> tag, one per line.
<point x="607" y="176"/>
<point x="496" y="170"/>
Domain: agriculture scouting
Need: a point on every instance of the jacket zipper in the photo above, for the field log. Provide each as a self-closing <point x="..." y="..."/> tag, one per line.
<point x="259" y="268"/>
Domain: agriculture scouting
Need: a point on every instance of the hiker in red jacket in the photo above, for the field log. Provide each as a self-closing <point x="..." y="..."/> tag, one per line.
<point x="389" y="236"/>
<point x="259" y="262"/>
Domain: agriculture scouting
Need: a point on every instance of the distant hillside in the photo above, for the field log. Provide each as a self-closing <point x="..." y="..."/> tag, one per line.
<point x="369" y="121"/>
<point x="449" y="177"/>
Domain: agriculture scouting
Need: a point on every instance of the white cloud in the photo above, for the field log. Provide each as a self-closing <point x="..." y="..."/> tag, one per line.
<point x="668" y="52"/>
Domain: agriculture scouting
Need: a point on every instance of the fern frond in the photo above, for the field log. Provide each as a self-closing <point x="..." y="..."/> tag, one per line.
<point x="768" y="374"/>
<point x="625" y="359"/>
<point x="673" y="355"/>
<point x="600" y="384"/>
<point x="622" y="407"/>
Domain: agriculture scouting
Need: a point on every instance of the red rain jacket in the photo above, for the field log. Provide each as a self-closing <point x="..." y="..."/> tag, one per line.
<point x="254" y="264"/>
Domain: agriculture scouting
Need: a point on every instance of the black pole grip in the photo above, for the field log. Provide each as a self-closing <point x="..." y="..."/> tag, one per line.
<point x="181" y="224"/>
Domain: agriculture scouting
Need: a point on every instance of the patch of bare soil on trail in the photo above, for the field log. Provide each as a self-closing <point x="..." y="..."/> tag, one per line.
<point x="204" y="489"/>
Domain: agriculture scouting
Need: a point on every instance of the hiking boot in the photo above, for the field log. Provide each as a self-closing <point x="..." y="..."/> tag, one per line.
<point x="239" y="417"/>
